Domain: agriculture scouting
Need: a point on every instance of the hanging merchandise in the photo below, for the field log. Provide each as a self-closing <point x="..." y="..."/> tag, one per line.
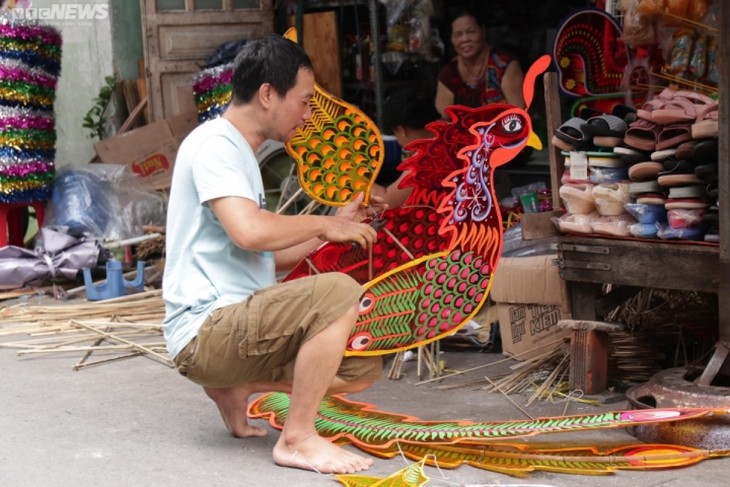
<point x="212" y="91"/>
<point x="30" y="63"/>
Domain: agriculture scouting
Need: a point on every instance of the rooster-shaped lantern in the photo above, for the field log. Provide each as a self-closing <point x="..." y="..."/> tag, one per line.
<point x="431" y="268"/>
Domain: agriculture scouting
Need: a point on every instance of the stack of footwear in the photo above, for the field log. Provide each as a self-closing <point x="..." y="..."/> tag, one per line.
<point x="679" y="131"/>
<point x="595" y="184"/>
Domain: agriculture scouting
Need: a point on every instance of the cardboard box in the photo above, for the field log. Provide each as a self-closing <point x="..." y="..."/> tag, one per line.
<point x="529" y="330"/>
<point x="539" y="225"/>
<point x="149" y="151"/>
<point x="531" y="298"/>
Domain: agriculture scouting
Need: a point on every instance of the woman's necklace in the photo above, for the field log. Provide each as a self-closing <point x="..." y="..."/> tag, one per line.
<point x="472" y="73"/>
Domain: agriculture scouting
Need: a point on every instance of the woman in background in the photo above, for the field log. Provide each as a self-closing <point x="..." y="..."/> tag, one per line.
<point x="479" y="74"/>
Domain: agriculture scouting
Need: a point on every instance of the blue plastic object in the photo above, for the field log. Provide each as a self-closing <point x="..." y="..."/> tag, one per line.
<point x="115" y="285"/>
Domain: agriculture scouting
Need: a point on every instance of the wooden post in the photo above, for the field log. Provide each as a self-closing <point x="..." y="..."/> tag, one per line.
<point x="589" y="347"/>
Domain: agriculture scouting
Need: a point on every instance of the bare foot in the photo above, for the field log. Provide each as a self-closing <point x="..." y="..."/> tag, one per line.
<point x="232" y="403"/>
<point x="319" y="455"/>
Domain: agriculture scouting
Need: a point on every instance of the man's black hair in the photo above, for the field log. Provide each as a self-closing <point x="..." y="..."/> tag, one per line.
<point x="269" y="59"/>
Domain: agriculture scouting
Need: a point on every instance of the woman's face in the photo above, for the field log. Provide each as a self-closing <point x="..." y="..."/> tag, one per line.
<point x="467" y="36"/>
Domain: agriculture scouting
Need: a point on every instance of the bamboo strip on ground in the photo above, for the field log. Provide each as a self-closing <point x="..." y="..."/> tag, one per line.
<point x="112" y="326"/>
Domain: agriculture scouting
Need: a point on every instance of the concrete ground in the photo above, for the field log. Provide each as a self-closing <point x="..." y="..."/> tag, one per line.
<point x="138" y="423"/>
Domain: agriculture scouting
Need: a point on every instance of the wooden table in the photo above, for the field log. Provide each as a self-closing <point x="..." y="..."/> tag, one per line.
<point x="586" y="263"/>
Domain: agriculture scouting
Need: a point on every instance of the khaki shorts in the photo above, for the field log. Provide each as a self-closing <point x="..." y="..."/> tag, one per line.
<point x="258" y="339"/>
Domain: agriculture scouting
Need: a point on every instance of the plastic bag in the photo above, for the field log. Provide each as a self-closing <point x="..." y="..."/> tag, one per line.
<point x="102" y="201"/>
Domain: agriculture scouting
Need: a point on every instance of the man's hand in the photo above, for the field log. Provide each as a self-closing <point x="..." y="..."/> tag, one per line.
<point x="341" y="229"/>
<point x="354" y="211"/>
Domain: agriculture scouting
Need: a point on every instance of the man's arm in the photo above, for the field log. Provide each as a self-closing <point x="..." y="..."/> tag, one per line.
<point x="291" y="237"/>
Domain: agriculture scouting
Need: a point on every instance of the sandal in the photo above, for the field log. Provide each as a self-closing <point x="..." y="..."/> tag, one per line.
<point x="647" y="213"/>
<point x="607" y="130"/>
<point x="578" y="198"/>
<point x="642" y="135"/>
<point x="673" y="135"/>
<point x="644" y="171"/>
<point x="571" y="134"/>
<point x="707" y="124"/>
<point x="678" y="109"/>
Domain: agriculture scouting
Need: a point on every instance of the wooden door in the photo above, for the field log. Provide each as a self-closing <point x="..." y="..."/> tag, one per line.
<point x="179" y="35"/>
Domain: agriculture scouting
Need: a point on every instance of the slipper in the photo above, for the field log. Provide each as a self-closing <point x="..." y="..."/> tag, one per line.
<point x="709" y="173"/>
<point x="647" y="213"/>
<point x="676" y="110"/>
<point x="685" y="150"/>
<point x="637" y="188"/>
<point x="643" y="230"/>
<point x="605" y="125"/>
<point x="610" y="199"/>
<point x="646" y="110"/>
<point x="661" y="155"/>
<point x="685" y="204"/>
<point x="677" y="166"/>
<point x="642" y="135"/>
<point x="713" y="191"/>
<point x="651" y="199"/>
<point x="634" y="159"/>
<point x="576" y="223"/>
<point x="617" y="225"/>
<point x="578" y="198"/>
<point x="645" y="171"/>
<point x="626" y="151"/>
<point x="692" y="191"/>
<point x="707" y="125"/>
<point x="571" y="132"/>
<point x="685" y="218"/>
<point x="669" y="180"/>
<point x="706" y="151"/>
<point x="673" y="135"/>
<point x="608" y="175"/>
<point x="655" y="103"/>
<point x="666" y="232"/>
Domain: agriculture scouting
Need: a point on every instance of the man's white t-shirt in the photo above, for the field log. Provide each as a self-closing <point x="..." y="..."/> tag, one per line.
<point x="204" y="270"/>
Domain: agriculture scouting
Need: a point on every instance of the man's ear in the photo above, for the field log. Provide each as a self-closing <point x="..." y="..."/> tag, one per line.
<point x="266" y="93"/>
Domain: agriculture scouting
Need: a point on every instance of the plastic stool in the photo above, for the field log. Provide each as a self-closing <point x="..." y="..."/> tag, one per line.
<point x="115" y="285"/>
<point x="12" y="221"/>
